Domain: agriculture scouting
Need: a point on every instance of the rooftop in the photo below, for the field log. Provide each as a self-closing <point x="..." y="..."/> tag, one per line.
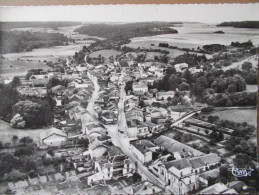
<point x="52" y="131"/>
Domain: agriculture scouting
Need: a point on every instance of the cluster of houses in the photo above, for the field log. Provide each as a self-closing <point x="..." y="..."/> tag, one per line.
<point x="181" y="168"/>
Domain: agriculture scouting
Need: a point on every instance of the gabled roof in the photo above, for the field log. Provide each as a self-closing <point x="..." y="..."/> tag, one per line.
<point x="174" y="146"/>
<point x="179" y="164"/>
<point x="53" y="130"/>
<point x="114" y="151"/>
<point x="203" y="160"/>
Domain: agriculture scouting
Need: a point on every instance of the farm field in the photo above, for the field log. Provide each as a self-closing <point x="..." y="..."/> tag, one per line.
<point x="15" y="67"/>
<point x="105" y="53"/>
<point x="239" y="115"/>
<point x="7" y="132"/>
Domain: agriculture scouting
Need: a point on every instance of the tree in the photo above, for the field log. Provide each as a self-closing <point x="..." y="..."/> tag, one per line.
<point x="26" y="140"/>
<point x="27" y="150"/>
<point x="141" y="103"/>
<point x="243" y="161"/>
<point x="246" y="66"/>
<point x="8" y="162"/>
<point x="8" y="97"/>
<point x="18" y="122"/>
<point x="15" y="175"/>
<point x="35" y="114"/>
<point x="184" y="86"/>
<point x="200" y="84"/>
<point x="16" y="81"/>
<point x="224" y="174"/>
<point x="14" y="139"/>
<point x="220" y="136"/>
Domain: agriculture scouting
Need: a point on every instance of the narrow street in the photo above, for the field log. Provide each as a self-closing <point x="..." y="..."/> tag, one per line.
<point x="90" y="106"/>
<point x="121" y="140"/>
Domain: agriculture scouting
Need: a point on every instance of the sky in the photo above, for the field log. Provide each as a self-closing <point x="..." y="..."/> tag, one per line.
<point x="207" y="13"/>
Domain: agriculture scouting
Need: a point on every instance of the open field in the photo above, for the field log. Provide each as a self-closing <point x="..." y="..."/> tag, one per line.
<point x="239" y="115"/>
<point x="15" y="67"/>
<point x="105" y="53"/>
<point x="6" y="133"/>
<point x="47" y="53"/>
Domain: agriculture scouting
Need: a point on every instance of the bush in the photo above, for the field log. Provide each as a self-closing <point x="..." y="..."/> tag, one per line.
<point x="27" y="150"/>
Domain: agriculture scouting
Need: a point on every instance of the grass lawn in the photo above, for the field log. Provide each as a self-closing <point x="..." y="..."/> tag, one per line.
<point x="7" y="132"/>
<point x="15" y="67"/>
<point x="245" y="115"/>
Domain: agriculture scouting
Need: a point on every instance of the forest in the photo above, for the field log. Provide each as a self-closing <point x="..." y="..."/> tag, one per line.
<point x="54" y="25"/>
<point x="19" y="41"/>
<point x="127" y="31"/>
<point x="243" y="24"/>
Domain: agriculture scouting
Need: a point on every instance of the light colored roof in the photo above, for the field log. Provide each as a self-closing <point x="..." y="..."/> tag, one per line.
<point x="165" y="93"/>
<point x="174" y="146"/>
<point x="52" y="131"/>
<point x="21" y="184"/>
<point x="203" y="160"/>
<point x="99" y="151"/>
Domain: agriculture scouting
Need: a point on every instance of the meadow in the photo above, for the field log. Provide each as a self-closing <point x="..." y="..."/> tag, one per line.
<point x="19" y="68"/>
<point x="238" y="115"/>
<point x="7" y="132"/>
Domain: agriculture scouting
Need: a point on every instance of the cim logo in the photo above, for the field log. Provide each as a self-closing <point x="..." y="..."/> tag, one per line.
<point x="241" y="172"/>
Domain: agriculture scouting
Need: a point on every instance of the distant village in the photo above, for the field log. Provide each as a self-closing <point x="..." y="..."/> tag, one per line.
<point x="113" y="132"/>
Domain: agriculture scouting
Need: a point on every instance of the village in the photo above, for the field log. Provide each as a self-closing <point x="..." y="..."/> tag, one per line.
<point x="112" y="133"/>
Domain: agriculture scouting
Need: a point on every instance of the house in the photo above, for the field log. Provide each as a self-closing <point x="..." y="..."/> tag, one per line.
<point x="115" y="165"/>
<point x="181" y="67"/>
<point x="165" y="95"/>
<point x="175" y="147"/>
<point x="76" y="98"/>
<point x="143" y="150"/>
<point x="156" y="112"/>
<point x="177" y="174"/>
<point x="93" y="127"/>
<point x="39" y="80"/>
<point x="53" y="137"/>
<point x="81" y="67"/>
<point x="58" y="90"/>
<point x="137" y="128"/>
<point x="109" y="117"/>
<point x="203" y="163"/>
<point x="139" y="87"/>
<point x="135" y="113"/>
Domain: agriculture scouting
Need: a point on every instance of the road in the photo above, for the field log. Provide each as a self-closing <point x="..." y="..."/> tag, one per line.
<point x="122" y="141"/>
<point x="95" y="95"/>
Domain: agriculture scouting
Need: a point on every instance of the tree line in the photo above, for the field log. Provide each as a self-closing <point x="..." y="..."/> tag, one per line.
<point x="20" y="41"/>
